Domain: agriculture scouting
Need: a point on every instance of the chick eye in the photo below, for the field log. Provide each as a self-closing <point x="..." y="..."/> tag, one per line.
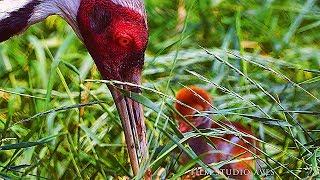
<point x="124" y="41"/>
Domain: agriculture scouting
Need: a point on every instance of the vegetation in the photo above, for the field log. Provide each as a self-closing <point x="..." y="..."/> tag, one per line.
<point x="258" y="58"/>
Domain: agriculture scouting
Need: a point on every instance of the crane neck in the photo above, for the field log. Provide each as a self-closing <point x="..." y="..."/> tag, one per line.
<point x="16" y="16"/>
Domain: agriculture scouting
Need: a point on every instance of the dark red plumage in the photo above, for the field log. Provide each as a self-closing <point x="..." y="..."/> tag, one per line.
<point x="228" y="146"/>
<point x="17" y="21"/>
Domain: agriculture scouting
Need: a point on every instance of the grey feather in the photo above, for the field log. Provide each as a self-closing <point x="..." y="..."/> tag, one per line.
<point x="136" y="5"/>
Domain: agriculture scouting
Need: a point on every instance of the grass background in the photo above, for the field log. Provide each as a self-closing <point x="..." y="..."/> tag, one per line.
<point x="258" y="58"/>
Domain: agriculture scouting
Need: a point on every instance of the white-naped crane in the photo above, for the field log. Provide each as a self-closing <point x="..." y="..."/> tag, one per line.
<point x="115" y="33"/>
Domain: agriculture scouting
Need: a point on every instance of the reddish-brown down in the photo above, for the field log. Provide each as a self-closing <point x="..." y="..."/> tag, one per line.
<point x="228" y="147"/>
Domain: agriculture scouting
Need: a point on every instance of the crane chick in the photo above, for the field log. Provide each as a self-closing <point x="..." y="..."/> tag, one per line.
<point x="230" y="148"/>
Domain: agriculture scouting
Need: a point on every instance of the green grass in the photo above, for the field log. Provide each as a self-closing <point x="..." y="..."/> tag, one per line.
<point x="259" y="59"/>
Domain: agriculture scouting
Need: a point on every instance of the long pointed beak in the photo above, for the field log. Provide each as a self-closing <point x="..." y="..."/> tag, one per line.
<point x="131" y="114"/>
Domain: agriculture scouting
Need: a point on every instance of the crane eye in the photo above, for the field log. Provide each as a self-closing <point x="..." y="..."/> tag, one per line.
<point x="124" y="40"/>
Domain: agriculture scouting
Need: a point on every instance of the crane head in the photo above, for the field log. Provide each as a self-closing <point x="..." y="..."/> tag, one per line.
<point x="190" y="101"/>
<point x="116" y="36"/>
<point x="115" y="33"/>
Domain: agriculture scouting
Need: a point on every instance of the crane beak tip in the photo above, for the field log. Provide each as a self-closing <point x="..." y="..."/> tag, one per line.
<point x="131" y="114"/>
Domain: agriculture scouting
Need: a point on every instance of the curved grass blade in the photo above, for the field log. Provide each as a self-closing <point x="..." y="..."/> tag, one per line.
<point x="22" y="145"/>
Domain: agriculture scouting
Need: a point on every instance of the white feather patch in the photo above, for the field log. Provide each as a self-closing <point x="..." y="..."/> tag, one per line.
<point x="42" y="11"/>
<point x="136" y="5"/>
<point x="8" y="6"/>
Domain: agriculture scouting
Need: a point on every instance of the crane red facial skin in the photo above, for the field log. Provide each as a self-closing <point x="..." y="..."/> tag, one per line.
<point x="120" y="31"/>
<point x="229" y="145"/>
